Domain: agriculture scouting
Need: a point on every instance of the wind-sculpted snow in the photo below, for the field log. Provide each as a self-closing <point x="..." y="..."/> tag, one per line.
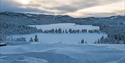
<point x="62" y="53"/>
<point x="21" y="59"/>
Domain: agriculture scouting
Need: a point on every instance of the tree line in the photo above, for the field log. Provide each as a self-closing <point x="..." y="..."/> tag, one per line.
<point x="59" y="30"/>
<point x="112" y="39"/>
<point x="116" y="34"/>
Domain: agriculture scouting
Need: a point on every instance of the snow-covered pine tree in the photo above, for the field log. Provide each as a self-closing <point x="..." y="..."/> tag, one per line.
<point x="36" y="38"/>
<point x="31" y="39"/>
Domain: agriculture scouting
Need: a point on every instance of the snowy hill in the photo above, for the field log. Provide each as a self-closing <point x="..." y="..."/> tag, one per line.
<point x="28" y="19"/>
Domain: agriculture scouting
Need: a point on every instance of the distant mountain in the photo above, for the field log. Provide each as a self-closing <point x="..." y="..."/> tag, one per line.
<point x="28" y="19"/>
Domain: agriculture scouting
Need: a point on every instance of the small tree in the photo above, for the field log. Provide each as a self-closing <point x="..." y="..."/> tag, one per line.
<point x="102" y="38"/>
<point x="31" y="39"/>
<point x="82" y="41"/>
<point x="36" y="38"/>
<point x="3" y="40"/>
<point x="85" y="42"/>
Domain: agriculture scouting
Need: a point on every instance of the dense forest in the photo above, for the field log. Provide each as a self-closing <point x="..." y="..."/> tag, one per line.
<point x="9" y="29"/>
<point x="116" y="34"/>
<point x="15" y="29"/>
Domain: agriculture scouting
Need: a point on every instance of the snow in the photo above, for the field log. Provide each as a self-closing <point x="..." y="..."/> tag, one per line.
<point x="63" y="48"/>
<point x="22" y="59"/>
<point x="64" y="38"/>
<point x="67" y="52"/>
<point x="3" y="61"/>
<point x="115" y="46"/>
<point x="33" y="60"/>
<point x="12" y="49"/>
<point x="65" y="26"/>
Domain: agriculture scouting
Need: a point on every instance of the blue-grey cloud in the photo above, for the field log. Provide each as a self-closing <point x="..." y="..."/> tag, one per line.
<point x="62" y="7"/>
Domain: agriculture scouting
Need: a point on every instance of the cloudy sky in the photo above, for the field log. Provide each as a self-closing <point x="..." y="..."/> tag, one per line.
<point x="75" y="8"/>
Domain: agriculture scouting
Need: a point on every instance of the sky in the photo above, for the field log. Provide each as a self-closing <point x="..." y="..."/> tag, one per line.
<point x="74" y="8"/>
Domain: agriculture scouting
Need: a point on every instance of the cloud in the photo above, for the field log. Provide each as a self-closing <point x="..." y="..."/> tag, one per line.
<point x="9" y="5"/>
<point x="76" y="8"/>
<point x="101" y="10"/>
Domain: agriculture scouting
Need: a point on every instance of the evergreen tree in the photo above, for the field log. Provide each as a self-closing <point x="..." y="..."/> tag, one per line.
<point x="31" y="39"/>
<point x="82" y="41"/>
<point x="36" y="38"/>
<point x="98" y="42"/>
<point x="59" y="30"/>
<point x="84" y="30"/>
<point x="102" y="38"/>
<point x="85" y="42"/>
<point x="66" y="31"/>
<point x="56" y="31"/>
<point x="70" y="31"/>
<point x="2" y="40"/>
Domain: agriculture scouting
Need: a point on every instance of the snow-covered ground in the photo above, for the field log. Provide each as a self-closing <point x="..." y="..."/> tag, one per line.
<point x="62" y="53"/>
<point x="64" y="38"/>
<point x="66" y="26"/>
<point x="62" y="48"/>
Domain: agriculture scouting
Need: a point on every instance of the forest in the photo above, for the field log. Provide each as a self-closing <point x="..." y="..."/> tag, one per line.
<point x="113" y="26"/>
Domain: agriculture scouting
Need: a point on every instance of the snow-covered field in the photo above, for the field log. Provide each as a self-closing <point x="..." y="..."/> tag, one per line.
<point x="62" y="48"/>
<point x="62" y="53"/>
<point x="64" y="38"/>
<point x="67" y="38"/>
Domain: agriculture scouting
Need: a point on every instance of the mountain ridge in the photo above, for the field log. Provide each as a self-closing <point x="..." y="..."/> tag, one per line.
<point x="28" y="19"/>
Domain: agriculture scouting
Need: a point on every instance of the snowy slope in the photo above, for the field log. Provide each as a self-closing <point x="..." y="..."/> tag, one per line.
<point x="64" y="38"/>
<point x="63" y="53"/>
<point x="21" y="59"/>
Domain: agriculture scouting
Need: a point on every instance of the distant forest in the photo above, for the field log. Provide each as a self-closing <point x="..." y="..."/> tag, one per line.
<point x="16" y="23"/>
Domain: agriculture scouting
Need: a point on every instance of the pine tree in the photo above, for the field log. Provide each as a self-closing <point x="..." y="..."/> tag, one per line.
<point x="31" y="39"/>
<point x="85" y="42"/>
<point x="59" y="30"/>
<point x="102" y="38"/>
<point x="82" y="41"/>
<point x="36" y="38"/>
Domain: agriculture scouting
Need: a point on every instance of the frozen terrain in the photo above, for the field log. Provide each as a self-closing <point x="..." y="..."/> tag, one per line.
<point x="62" y="47"/>
<point x="62" y="53"/>
<point x="64" y="38"/>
